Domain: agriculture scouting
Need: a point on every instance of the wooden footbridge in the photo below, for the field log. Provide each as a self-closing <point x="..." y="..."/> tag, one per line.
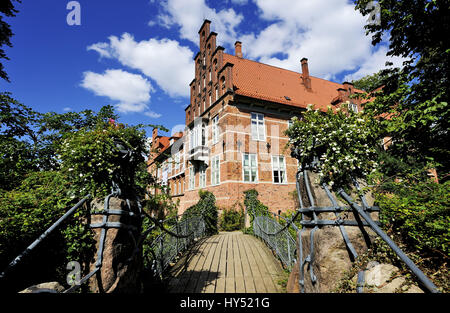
<point x="190" y="260"/>
<point x="229" y="262"/>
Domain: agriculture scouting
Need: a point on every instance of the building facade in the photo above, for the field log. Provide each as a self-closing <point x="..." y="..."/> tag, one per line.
<point x="234" y="137"/>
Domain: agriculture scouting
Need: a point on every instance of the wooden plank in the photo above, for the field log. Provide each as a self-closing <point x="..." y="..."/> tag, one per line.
<point x="197" y="269"/>
<point x="246" y="270"/>
<point x="238" y="273"/>
<point x="256" y="274"/>
<point x="186" y="278"/>
<point x="206" y="268"/>
<point x="214" y="269"/>
<point x="267" y="261"/>
<point x="230" y="282"/>
<point x="214" y="272"/>
<point x="220" y="283"/>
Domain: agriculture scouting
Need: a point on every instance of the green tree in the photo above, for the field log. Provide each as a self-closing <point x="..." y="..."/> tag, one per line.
<point x="17" y="139"/>
<point x="7" y="9"/>
<point x="413" y="105"/>
<point x="370" y="82"/>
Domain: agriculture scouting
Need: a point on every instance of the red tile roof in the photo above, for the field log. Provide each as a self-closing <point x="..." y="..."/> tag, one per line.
<point x="266" y="82"/>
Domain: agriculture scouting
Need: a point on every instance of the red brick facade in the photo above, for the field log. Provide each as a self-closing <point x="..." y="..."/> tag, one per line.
<point x="234" y="138"/>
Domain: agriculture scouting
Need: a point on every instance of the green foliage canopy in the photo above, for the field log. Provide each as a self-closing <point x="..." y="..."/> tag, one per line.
<point x="345" y="143"/>
<point x="413" y="104"/>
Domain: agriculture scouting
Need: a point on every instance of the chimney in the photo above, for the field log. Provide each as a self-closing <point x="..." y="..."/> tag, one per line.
<point x="154" y="135"/>
<point x="238" y="49"/>
<point x="305" y="73"/>
<point x="348" y="86"/>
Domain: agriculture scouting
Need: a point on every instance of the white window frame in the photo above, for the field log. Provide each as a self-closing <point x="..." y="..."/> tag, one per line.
<point x="250" y="167"/>
<point x="202" y="176"/>
<point x="353" y="106"/>
<point x="215" y="129"/>
<point x="259" y="120"/>
<point x="290" y="123"/>
<point x="278" y="169"/>
<point x="215" y="170"/>
<point x="191" y="178"/>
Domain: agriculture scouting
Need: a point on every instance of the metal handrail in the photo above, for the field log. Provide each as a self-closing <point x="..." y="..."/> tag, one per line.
<point x="268" y="229"/>
<point x="171" y="242"/>
<point x="44" y="235"/>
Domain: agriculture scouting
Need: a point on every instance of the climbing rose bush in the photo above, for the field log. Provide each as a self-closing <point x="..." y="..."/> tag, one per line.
<point x="344" y="142"/>
<point x="92" y="159"/>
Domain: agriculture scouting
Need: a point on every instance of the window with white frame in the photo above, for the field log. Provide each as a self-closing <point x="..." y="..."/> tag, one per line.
<point x="279" y="169"/>
<point x="257" y="128"/>
<point x="202" y="176"/>
<point x="353" y="106"/>
<point x="191" y="178"/>
<point x="217" y="93"/>
<point x="249" y="167"/>
<point x="215" y="129"/>
<point x="290" y="123"/>
<point x="215" y="170"/>
<point x="198" y="136"/>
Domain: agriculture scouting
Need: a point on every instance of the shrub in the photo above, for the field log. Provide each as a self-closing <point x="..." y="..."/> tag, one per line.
<point x="232" y="219"/>
<point x="254" y="207"/>
<point x="25" y="213"/>
<point x="419" y="212"/>
<point x="92" y="159"/>
<point x="207" y="207"/>
<point x="343" y="141"/>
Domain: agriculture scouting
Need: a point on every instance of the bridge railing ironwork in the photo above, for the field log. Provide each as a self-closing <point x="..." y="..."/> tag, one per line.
<point x="273" y="232"/>
<point x="166" y="246"/>
<point x="278" y="237"/>
<point x="176" y="238"/>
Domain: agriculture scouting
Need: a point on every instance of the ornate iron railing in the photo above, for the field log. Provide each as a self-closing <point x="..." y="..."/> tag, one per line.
<point x="277" y="237"/>
<point x="175" y="239"/>
<point x="287" y="249"/>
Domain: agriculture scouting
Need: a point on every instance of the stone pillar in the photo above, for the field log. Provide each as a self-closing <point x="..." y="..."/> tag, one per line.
<point x="121" y="265"/>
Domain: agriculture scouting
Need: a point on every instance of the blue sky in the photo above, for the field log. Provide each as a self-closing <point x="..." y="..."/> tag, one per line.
<point x="137" y="55"/>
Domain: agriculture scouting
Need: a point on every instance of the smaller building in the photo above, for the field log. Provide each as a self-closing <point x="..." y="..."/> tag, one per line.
<point x="167" y="163"/>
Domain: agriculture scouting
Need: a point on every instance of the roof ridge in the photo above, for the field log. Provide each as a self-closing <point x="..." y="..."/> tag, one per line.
<point x="277" y="67"/>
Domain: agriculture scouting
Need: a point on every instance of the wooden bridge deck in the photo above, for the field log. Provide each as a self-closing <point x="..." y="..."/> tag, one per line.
<point x="230" y="262"/>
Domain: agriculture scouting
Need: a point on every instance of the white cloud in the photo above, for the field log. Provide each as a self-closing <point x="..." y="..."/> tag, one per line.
<point x="178" y="128"/>
<point x="165" y="61"/>
<point x="330" y="33"/>
<point x="131" y="91"/>
<point x="374" y="64"/>
<point x="189" y="16"/>
<point x="67" y="109"/>
<point x="152" y="114"/>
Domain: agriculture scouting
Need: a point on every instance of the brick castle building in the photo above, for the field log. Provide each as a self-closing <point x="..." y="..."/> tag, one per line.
<point x="234" y="137"/>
